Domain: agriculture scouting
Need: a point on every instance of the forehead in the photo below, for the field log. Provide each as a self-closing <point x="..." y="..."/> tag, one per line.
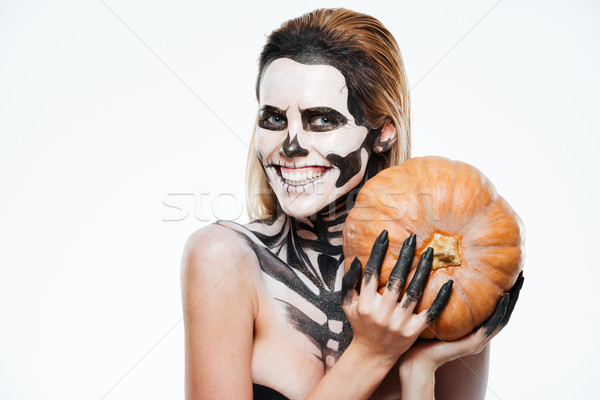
<point x="287" y="83"/>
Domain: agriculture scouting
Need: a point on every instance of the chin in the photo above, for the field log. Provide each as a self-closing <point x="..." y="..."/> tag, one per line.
<point x="302" y="207"/>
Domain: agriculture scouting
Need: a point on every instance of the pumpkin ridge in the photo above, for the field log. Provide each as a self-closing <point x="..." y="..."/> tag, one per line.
<point x="475" y="321"/>
<point x="502" y="213"/>
<point x="465" y="301"/>
<point x="483" y="213"/>
<point x="484" y="185"/>
<point x="490" y="270"/>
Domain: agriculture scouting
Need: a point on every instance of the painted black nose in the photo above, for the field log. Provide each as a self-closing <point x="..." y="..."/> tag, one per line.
<point x="291" y="148"/>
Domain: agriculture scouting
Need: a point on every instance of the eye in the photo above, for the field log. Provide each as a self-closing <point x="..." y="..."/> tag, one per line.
<point x="276" y="120"/>
<point x="322" y="121"/>
<point x="272" y="120"/>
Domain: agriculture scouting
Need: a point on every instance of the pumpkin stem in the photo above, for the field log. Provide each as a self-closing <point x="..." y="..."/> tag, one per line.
<point x="445" y="251"/>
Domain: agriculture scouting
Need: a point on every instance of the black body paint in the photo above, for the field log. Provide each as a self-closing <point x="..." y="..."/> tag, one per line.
<point x="400" y="272"/>
<point x="291" y="148"/>
<point x="356" y="110"/>
<point x="440" y="301"/>
<point x="351" y="164"/>
<point x="286" y="256"/>
<point x="417" y="283"/>
<point x="326" y="299"/>
<point x="373" y="267"/>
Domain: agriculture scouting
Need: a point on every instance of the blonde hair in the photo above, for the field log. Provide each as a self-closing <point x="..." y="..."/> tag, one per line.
<point x="367" y="54"/>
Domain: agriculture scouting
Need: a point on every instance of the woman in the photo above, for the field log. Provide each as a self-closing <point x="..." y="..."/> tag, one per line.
<point x="269" y="312"/>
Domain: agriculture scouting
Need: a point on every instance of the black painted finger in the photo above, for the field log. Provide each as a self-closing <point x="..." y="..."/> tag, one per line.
<point x="398" y="275"/>
<point x="373" y="267"/>
<point x="514" y="296"/>
<point x="351" y="281"/>
<point x="440" y="301"/>
<point x="417" y="283"/>
<point x="493" y="322"/>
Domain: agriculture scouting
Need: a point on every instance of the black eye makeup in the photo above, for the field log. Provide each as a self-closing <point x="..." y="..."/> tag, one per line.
<point x="272" y="118"/>
<point x="322" y="119"/>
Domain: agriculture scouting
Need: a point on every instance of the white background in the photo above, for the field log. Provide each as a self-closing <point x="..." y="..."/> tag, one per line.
<point x="100" y="132"/>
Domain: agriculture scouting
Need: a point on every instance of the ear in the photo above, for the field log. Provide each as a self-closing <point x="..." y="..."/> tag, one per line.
<point x="387" y="138"/>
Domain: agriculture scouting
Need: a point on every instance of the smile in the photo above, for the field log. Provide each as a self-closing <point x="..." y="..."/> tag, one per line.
<point x="297" y="177"/>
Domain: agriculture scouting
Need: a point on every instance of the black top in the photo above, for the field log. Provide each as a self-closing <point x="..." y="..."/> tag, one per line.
<point x="265" y="393"/>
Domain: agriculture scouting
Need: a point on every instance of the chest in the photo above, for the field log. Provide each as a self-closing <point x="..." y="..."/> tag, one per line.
<point x="297" y="343"/>
<point x="299" y="335"/>
<point x="301" y="329"/>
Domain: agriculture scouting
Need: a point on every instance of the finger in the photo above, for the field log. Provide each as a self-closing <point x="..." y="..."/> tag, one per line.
<point x="398" y="275"/>
<point x="492" y="323"/>
<point x="440" y="302"/>
<point x="514" y="296"/>
<point x="373" y="267"/>
<point x="351" y="282"/>
<point x="417" y="283"/>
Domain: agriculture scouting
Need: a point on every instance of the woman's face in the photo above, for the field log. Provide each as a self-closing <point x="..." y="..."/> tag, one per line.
<point x="308" y="142"/>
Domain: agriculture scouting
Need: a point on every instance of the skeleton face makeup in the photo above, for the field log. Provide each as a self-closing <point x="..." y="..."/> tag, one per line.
<point x="310" y="146"/>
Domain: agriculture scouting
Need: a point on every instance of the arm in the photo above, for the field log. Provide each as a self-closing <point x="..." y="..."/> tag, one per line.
<point x="218" y="325"/>
<point x="464" y="378"/>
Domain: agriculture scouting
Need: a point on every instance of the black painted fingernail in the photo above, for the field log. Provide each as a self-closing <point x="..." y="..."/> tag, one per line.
<point x="412" y="240"/>
<point x="429" y="252"/>
<point x="383" y="236"/>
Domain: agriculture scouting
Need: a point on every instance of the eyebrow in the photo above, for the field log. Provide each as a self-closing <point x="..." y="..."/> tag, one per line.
<point x="272" y="110"/>
<point x="321" y="110"/>
<point x="308" y="113"/>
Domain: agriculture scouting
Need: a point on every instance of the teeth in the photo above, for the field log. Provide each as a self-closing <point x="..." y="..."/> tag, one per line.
<point x="297" y="178"/>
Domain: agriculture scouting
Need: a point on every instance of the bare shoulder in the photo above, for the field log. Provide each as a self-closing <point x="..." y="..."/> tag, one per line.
<point x="217" y="254"/>
<point x="216" y="242"/>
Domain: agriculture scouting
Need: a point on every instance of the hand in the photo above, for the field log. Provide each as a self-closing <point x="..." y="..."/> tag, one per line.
<point x="431" y="354"/>
<point x="384" y="327"/>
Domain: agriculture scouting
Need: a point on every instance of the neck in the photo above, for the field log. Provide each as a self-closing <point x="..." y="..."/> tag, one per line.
<point x="324" y="227"/>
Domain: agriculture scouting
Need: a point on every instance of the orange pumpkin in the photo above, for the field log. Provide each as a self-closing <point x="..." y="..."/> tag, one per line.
<point x="451" y="206"/>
